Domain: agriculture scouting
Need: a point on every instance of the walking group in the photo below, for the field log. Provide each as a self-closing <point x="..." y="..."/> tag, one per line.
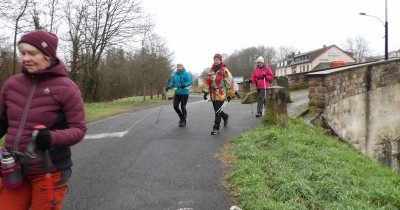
<point x="42" y="116"/>
<point x="218" y="85"/>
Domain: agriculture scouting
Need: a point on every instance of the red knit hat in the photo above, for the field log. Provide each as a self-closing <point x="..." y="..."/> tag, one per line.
<point x="44" y="41"/>
<point x="219" y="56"/>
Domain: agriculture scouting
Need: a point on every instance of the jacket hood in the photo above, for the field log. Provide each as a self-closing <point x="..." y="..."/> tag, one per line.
<point x="180" y="71"/>
<point x="220" y="66"/>
<point x="263" y="67"/>
<point x="57" y="69"/>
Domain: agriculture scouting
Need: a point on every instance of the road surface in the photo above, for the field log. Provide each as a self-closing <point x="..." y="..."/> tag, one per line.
<point x="132" y="162"/>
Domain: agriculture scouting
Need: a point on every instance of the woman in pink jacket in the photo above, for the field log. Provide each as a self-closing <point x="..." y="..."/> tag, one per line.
<point x="261" y="77"/>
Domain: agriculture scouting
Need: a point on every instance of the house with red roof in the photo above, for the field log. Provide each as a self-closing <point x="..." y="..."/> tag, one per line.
<point x="322" y="58"/>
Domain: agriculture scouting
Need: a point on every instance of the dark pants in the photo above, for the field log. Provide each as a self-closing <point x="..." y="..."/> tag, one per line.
<point x="217" y="120"/>
<point x="181" y="99"/>
<point x="261" y="100"/>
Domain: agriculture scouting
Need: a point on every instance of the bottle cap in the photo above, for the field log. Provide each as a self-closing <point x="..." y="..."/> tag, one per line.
<point x="38" y="127"/>
<point x="6" y="155"/>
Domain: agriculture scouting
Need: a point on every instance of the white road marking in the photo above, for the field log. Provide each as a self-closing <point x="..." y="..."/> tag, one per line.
<point x="186" y="204"/>
<point x="116" y="134"/>
<point x="104" y="135"/>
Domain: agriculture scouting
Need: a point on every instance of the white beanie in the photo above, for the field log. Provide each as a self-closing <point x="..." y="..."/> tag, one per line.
<point x="260" y="59"/>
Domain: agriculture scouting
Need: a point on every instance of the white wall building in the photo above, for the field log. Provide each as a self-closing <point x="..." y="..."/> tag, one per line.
<point x="322" y="58"/>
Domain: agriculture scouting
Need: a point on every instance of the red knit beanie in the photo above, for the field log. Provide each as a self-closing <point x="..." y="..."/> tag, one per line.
<point x="219" y="56"/>
<point x="44" y="41"/>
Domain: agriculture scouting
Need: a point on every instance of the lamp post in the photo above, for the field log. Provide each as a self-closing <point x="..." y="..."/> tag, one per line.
<point x="386" y="29"/>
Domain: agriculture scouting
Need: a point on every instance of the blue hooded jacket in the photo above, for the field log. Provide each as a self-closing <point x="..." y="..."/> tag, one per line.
<point x="180" y="79"/>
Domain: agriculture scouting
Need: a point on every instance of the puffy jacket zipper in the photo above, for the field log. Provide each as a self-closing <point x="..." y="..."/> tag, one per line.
<point x="25" y="113"/>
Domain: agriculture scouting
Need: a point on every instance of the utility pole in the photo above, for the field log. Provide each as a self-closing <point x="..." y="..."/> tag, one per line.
<point x="386" y="33"/>
<point x="386" y="29"/>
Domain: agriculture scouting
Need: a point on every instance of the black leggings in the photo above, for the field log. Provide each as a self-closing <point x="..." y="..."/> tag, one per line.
<point x="182" y="99"/>
<point x="218" y="116"/>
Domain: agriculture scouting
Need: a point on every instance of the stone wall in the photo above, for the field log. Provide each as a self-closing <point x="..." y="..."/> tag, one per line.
<point x="361" y="103"/>
<point x="296" y="81"/>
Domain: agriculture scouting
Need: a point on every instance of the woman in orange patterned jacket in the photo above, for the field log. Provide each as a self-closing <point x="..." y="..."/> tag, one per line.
<point x="219" y="84"/>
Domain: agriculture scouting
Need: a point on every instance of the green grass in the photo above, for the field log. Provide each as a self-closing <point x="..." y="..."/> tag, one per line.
<point x="298" y="167"/>
<point x="98" y="111"/>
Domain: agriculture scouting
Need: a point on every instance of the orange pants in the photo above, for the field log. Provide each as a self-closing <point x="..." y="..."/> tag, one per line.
<point x="32" y="194"/>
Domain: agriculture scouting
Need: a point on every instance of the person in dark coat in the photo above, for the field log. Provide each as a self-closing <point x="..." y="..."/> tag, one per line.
<point x="41" y="94"/>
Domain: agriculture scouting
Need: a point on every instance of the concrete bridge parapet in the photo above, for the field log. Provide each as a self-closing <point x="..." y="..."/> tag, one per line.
<point x="361" y="103"/>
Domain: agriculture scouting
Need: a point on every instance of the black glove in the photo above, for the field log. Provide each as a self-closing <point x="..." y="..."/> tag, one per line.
<point x="228" y="98"/>
<point x="237" y="94"/>
<point x="42" y="139"/>
<point x="205" y="96"/>
<point x="249" y="81"/>
<point x="264" y="76"/>
<point x="166" y="89"/>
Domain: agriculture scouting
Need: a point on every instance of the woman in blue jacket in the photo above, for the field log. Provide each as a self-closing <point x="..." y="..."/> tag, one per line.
<point x="181" y="82"/>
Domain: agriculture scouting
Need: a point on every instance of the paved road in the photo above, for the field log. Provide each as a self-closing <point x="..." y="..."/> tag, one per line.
<point x="132" y="162"/>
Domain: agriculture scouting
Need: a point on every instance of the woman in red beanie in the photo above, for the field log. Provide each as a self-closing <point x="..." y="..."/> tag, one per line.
<point x="219" y="84"/>
<point x="41" y="94"/>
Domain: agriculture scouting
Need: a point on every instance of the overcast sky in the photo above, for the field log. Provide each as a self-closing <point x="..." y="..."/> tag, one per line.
<point x="195" y="30"/>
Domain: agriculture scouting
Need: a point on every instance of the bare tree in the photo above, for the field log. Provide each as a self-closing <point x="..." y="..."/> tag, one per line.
<point x="156" y="65"/>
<point x="46" y="15"/>
<point x="52" y="5"/>
<point x="36" y="16"/>
<point x="359" y="47"/>
<point x="6" y="61"/>
<point x="269" y="54"/>
<point x="284" y="52"/>
<point x="97" y="26"/>
<point x="240" y="63"/>
<point x="159" y="67"/>
<point x="13" y="11"/>
<point x="75" y="16"/>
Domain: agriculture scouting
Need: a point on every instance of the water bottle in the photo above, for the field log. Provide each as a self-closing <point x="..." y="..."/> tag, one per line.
<point x="11" y="172"/>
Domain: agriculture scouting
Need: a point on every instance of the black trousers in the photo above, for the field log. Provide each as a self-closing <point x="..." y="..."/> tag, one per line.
<point x="261" y="100"/>
<point x="182" y="100"/>
<point x="218" y="116"/>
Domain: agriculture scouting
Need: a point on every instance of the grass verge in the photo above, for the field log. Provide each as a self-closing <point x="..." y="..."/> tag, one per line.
<point x="298" y="167"/>
<point x="98" y="111"/>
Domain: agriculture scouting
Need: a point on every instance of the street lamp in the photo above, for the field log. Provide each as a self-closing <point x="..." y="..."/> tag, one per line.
<point x="386" y="28"/>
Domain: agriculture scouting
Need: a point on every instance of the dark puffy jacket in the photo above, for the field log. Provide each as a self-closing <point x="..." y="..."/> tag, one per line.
<point x="50" y="99"/>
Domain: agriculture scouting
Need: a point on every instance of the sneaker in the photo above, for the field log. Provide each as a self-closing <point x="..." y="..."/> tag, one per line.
<point x="215" y="132"/>
<point x="226" y="121"/>
<point x="258" y="115"/>
<point x="182" y="123"/>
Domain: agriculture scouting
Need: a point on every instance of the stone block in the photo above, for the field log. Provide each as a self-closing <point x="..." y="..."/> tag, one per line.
<point x="275" y="106"/>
